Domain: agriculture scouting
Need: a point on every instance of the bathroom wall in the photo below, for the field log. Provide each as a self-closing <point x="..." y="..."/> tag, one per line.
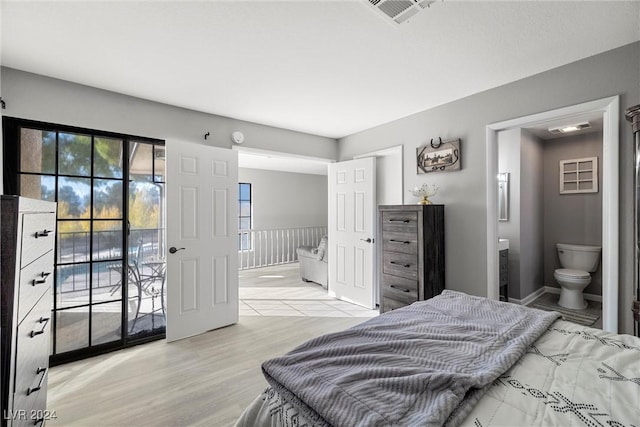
<point x="509" y="161"/>
<point x="571" y="218"/>
<point x="520" y="154"/>
<point x="532" y="219"/>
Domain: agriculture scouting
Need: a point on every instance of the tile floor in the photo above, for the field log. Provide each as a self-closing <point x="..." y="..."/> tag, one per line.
<point x="279" y="291"/>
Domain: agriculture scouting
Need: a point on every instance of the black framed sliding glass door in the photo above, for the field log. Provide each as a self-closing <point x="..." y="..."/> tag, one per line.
<point x="108" y="228"/>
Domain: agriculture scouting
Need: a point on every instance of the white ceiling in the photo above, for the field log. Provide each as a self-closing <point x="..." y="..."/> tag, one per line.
<point x="325" y="67"/>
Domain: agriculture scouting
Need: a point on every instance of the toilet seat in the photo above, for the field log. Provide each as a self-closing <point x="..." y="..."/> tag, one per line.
<point x="570" y="273"/>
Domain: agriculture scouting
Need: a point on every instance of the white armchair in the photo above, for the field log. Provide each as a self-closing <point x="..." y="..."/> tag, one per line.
<point x="313" y="263"/>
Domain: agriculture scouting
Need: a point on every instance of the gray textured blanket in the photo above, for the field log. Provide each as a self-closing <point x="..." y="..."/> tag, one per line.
<point x="423" y="365"/>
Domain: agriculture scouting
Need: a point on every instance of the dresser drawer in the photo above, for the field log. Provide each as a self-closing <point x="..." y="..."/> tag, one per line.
<point x="399" y="288"/>
<point x="32" y="355"/>
<point x="35" y="280"/>
<point x="392" y="304"/>
<point x="31" y="410"/>
<point x="395" y="241"/>
<point x="399" y="264"/>
<point x="404" y="222"/>
<point x="38" y="233"/>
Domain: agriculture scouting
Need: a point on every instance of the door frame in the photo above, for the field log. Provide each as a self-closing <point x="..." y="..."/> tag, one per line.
<point x="610" y="110"/>
<point x="398" y="152"/>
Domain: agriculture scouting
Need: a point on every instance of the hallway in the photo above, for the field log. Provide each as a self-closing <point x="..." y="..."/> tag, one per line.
<point x="279" y="291"/>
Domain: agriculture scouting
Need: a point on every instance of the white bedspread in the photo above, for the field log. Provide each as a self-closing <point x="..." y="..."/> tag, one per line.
<point x="571" y="376"/>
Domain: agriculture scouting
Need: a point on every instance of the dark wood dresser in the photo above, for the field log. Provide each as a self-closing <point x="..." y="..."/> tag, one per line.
<point x="28" y="236"/>
<point x="411" y="254"/>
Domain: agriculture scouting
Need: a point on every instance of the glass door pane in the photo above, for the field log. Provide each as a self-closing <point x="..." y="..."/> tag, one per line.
<point x="147" y="265"/>
<point x="84" y="174"/>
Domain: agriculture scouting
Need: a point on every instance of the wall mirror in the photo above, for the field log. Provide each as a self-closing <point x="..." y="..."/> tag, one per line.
<point x="503" y="196"/>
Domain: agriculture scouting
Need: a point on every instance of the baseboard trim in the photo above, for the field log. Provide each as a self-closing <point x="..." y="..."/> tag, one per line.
<point x="550" y="290"/>
<point x="529" y="298"/>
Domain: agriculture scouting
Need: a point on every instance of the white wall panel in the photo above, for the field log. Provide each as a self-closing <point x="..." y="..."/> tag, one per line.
<point x="189" y="280"/>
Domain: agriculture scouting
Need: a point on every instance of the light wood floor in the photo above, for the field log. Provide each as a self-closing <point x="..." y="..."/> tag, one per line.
<point x="206" y="380"/>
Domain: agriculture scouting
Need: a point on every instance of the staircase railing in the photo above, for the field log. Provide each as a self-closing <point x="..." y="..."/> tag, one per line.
<point x="262" y="248"/>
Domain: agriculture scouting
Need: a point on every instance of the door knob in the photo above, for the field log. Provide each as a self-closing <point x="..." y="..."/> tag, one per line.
<point x="173" y="249"/>
<point x="369" y="240"/>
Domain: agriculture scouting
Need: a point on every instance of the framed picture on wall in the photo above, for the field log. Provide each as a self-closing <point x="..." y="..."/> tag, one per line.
<point x="438" y="156"/>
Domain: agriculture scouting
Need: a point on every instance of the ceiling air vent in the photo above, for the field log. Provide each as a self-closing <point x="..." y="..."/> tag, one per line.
<point x="570" y="128"/>
<point x="399" y="10"/>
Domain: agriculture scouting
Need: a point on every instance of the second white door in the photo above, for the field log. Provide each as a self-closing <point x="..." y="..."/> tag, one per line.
<point x="352" y="214"/>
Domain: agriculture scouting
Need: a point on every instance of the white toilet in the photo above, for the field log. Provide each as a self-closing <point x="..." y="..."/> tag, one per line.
<point x="578" y="261"/>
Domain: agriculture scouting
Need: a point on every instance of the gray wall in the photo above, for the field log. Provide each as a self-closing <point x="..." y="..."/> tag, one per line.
<point x="284" y="199"/>
<point x="616" y="72"/>
<point x="36" y="97"/>
<point x="389" y="179"/>
<point x="531" y="215"/>
<point x="509" y="161"/>
<point x="572" y="218"/>
<point x="521" y="155"/>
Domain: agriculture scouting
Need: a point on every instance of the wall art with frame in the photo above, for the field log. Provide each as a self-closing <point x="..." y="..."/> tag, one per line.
<point x="438" y="156"/>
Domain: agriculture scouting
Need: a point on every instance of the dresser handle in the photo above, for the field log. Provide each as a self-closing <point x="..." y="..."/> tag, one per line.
<point x="399" y="241"/>
<point x="44" y="276"/>
<point x="43" y="233"/>
<point x="406" y="221"/>
<point x="400" y="264"/>
<point x="399" y="288"/>
<point x="44" y="320"/>
<point x="42" y="371"/>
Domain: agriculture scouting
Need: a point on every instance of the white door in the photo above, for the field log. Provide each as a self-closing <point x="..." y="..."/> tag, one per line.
<point x="352" y="213"/>
<point x="202" y="233"/>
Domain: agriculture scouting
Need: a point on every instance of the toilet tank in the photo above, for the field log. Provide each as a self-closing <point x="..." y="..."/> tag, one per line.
<point x="579" y="257"/>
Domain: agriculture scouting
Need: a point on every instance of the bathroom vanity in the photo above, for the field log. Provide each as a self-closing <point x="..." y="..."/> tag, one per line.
<point x="503" y="248"/>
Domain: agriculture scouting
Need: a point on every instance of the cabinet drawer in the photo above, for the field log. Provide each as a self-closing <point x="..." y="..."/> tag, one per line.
<point x="406" y="222"/>
<point x="34" y="407"/>
<point x="395" y="241"/>
<point x="399" y="264"/>
<point x="38" y="235"/>
<point x="32" y="355"/>
<point x="399" y="288"/>
<point x="35" y="280"/>
<point x="392" y="304"/>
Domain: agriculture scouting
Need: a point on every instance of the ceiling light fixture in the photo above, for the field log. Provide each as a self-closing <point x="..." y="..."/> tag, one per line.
<point x="570" y="128"/>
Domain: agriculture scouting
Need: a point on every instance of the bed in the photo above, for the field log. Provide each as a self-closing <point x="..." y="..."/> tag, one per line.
<point x="455" y="360"/>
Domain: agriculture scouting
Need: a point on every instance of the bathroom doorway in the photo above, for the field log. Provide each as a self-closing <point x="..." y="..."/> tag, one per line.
<point x="608" y="110"/>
